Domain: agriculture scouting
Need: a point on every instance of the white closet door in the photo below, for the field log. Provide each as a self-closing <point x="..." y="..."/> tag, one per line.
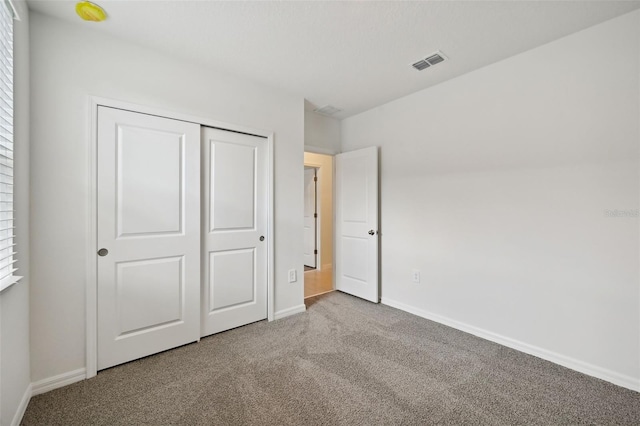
<point x="310" y="217"/>
<point x="148" y="235"/>
<point x="234" y="258"/>
<point x="357" y="223"/>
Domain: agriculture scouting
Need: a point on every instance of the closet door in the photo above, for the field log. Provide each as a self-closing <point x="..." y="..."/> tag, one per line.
<point x="148" y="235"/>
<point x="234" y="258"/>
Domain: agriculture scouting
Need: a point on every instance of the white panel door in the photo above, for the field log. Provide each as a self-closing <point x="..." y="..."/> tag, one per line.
<point x="148" y="235"/>
<point x="357" y="223"/>
<point x="234" y="258"/>
<point x="310" y="217"/>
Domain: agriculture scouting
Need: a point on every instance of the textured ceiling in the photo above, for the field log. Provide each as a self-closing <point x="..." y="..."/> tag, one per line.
<point x="354" y="55"/>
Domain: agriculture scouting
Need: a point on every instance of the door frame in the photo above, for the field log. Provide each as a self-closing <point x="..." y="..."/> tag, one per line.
<point x="321" y="186"/>
<point x="91" y="296"/>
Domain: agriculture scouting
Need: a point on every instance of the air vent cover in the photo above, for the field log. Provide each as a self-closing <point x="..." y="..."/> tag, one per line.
<point x="435" y="59"/>
<point x="432" y="59"/>
<point x="327" y="110"/>
<point x="421" y="64"/>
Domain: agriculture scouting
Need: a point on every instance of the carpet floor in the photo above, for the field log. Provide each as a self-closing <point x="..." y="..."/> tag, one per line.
<point x="343" y="362"/>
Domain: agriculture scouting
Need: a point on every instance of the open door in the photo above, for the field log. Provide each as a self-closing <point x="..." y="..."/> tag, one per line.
<point x="357" y="223"/>
<point x="310" y="217"/>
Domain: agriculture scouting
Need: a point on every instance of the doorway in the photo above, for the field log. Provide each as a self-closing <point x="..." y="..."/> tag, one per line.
<point x="318" y="222"/>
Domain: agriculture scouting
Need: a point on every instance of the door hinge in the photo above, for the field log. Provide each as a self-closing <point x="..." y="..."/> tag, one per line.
<point x="315" y="178"/>
<point x="315" y="252"/>
<point x="315" y="215"/>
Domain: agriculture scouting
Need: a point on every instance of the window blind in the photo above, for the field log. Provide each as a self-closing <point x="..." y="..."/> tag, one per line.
<point x="7" y="252"/>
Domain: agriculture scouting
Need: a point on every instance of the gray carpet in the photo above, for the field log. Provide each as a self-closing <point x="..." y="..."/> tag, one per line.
<point x="347" y="362"/>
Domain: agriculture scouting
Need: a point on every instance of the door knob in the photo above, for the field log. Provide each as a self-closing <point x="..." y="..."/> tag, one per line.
<point x="371" y="232"/>
<point x="103" y="252"/>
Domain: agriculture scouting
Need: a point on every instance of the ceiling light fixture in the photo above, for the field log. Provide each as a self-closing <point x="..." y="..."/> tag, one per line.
<point x="90" y="11"/>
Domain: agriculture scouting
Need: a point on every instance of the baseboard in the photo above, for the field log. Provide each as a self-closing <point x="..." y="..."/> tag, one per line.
<point x="572" y="363"/>
<point x="58" y="381"/>
<point x="22" y="408"/>
<point x="291" y="311"/>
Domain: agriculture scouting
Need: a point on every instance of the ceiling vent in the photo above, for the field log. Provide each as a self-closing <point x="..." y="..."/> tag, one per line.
<point x="430" y="60"/>
<point x="327" y="110"/>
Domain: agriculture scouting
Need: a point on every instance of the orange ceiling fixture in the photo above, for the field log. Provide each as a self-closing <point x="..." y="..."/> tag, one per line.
<point x="90" y="11"/>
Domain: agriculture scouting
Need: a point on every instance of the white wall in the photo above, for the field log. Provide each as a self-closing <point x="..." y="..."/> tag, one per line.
<point x="70" y="62"/>
<point x="496" y="185"/>
<point x="14" y="357"/>
<point x="321" y="133"/>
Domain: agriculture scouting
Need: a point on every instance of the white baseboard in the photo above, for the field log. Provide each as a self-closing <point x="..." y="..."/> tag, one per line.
<point x="291" y="311"/>
<point x="572" y="363"/>
<point x="24" y="402"/>
<point x="58" y="381"/>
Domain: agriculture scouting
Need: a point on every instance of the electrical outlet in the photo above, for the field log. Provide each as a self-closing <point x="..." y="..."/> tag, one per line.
<point x="292" y="276"/>
<point x="415" y="274"/>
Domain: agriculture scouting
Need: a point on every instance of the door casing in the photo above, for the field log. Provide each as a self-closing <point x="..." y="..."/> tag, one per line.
<point x="91" y="243"/>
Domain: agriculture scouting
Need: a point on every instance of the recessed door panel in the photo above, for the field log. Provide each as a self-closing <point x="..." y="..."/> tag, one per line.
<point x="354" y="189"/>
<point x="354" y="266"/>
<point x="150" y="190"/>
<point x="234" y="256"/>
<point x="148" y="235"/>
<point x="233" y="186"/>
<point x="232" y="280"/>
<point x="155" y="284"/>
<point x="357" y="223"/>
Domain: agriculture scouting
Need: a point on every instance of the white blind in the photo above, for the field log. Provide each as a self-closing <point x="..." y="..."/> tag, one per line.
<point x="7" y="253"/>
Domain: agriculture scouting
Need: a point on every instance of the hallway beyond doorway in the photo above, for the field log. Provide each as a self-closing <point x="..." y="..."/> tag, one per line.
<point x="318" y="281"/>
